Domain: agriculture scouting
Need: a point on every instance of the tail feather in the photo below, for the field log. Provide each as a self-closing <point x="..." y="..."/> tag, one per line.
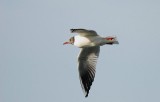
<point x="116" y="42"/>
<point x="111" y="40"/>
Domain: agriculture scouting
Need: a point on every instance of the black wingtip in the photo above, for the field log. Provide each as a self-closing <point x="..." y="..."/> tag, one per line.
<point x="72" y="30"/>
<point x="86" y="96"/>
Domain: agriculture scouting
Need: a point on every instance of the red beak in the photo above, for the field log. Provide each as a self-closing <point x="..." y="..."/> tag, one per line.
<point x="66" y="43"/>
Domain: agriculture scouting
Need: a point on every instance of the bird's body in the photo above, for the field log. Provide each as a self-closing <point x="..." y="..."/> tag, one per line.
<point x="89" y="42"/>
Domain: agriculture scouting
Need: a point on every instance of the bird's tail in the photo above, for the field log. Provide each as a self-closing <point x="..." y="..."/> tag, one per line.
<point x="111" y="40"/>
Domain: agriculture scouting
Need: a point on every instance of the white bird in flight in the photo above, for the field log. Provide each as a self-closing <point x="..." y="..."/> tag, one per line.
<point x="89" y="42"/>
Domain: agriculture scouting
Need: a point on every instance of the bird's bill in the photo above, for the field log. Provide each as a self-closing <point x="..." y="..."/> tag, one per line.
<point x="66" y="43"/>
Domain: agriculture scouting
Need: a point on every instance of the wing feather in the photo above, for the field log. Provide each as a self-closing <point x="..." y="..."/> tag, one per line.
<point x="84" y="32"/>
<point x="87" y="67"/>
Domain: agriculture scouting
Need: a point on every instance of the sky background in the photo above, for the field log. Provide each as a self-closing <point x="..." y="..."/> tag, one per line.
<point x="36" y="67"/>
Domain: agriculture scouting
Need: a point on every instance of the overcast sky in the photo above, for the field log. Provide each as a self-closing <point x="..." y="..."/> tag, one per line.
<point x="36" y="67"/>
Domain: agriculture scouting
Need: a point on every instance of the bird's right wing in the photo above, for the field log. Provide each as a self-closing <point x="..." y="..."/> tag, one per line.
<point x="84" y="32"/>
<point x="87" y="67"/>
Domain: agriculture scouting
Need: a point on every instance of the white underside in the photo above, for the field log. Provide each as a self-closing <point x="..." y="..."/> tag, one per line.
<point x="81" y="41"/>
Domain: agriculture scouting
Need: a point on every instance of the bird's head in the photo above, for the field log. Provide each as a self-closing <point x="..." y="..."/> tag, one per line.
<point x="71" y="41"/>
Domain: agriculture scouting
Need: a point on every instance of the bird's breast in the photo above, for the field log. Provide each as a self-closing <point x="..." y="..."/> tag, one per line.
<point x="81" y="41"/>
<point x="89" y="41"/>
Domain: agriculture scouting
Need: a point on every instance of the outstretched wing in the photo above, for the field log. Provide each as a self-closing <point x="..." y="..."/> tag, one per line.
<point x="84" y="32"/>
<point x="87" y="67"/>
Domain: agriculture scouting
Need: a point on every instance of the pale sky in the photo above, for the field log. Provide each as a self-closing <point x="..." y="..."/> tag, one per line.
<point x="36" y="67"/>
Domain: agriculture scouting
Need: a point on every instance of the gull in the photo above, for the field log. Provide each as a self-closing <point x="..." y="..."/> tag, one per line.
<point x="89" y="42"/>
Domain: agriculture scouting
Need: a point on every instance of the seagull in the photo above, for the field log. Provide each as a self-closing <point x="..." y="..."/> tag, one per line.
<point x="89" y="42"/>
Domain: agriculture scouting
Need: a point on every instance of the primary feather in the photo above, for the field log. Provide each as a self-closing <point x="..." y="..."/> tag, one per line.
<point x="87" y="66"/>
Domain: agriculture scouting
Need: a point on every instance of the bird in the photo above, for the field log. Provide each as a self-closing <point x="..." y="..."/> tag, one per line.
<point x="89" y="42"/>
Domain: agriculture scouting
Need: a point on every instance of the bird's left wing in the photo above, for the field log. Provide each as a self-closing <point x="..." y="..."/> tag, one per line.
<point x="87" y="67"/>
<point x="84" y="32"/>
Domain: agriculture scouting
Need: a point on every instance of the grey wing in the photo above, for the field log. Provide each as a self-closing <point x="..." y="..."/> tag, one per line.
<point x="84" y="32"/>
<point x="87" y="67"/>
